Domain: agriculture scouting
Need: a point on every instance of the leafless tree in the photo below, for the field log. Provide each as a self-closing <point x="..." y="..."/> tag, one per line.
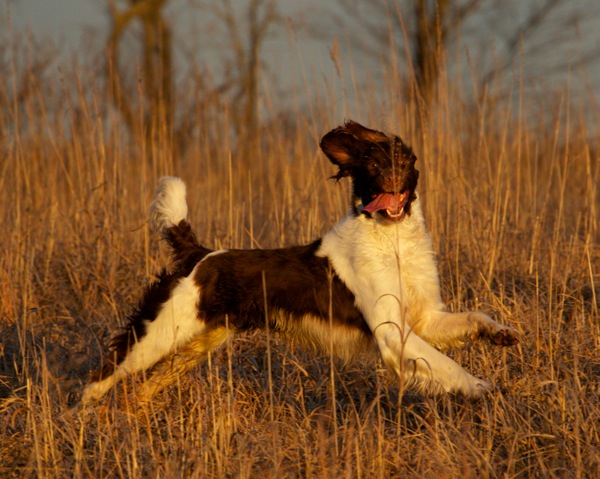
<point x="492" y="33"/>
<point x="24" y="64"/>
<point x="245" y="31"/>
<point x="155" y="67"/>
<point x="155" y="102"/>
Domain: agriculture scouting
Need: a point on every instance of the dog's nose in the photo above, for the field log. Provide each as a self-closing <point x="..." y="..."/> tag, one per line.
<point x="393" y="183"/>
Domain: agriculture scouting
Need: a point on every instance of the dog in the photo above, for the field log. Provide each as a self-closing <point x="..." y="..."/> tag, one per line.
<point x="370" y="284"/>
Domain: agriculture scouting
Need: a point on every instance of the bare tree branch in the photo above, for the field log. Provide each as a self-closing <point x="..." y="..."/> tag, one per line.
<point x="527" y="29"/>
<point x="257" y="21"/>
<point x="429" y="28"/>
<point x="156" y="65"/>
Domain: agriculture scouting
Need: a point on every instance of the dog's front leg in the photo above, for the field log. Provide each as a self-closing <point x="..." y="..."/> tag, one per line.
<point x="413" y="359"/>
<point x="446" y="330"/>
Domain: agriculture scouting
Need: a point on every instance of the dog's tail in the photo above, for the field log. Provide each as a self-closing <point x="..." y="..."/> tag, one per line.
<point x="168" y="217"/>
<point x="169" y="207"/>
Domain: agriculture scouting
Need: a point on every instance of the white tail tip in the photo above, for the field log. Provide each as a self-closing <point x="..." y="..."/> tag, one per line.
<point x="169" y="206"/>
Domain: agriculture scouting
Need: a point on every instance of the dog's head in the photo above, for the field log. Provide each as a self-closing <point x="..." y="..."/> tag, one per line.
<point x="382" y="169"/>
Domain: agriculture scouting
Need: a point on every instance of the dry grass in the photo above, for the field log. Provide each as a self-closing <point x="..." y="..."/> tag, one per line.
<point x="512" y="202"/>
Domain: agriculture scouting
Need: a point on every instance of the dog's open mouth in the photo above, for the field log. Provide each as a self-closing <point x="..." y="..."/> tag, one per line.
<point x="392" y="204"/>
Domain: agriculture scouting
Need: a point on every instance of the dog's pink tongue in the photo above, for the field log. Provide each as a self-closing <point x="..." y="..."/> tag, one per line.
<point x="391" y="202"/>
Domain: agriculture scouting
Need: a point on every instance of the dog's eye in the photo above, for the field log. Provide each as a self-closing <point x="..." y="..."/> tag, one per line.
<point x="372" y="164"/>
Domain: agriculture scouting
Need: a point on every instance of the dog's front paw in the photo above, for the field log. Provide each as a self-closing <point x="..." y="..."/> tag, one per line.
<point x="504" y="337"/>
<point x="476" y="388"/>
<point x="495" y="333"/>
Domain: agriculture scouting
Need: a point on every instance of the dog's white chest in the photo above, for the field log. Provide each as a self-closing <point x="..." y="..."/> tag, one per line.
<point x="385" y="264"/>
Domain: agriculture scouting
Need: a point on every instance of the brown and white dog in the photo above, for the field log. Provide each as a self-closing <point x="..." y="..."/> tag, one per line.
<point x="369" y="284"/>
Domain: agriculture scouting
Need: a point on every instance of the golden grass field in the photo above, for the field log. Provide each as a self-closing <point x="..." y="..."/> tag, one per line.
<point x="510" y="192"/>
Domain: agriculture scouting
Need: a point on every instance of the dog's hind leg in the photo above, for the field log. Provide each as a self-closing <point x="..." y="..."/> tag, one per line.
<point x="181" y="361"/>
<point x="176" y="324"/>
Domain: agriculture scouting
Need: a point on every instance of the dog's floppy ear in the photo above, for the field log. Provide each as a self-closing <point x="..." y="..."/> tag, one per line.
<point x="346" y="144"/>
<point x="363" y="133"/>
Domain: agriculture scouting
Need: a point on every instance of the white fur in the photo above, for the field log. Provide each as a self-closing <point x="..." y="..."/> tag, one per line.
<point x="169" y="207"/>
<point x="175" y="325"/>
<point x="391" y="270"/>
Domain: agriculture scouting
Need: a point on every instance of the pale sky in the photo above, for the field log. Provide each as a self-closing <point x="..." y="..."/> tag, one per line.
<point x="73" y="24"/>
<point x="56" y="19"/>
<point x="294" y="51"/>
